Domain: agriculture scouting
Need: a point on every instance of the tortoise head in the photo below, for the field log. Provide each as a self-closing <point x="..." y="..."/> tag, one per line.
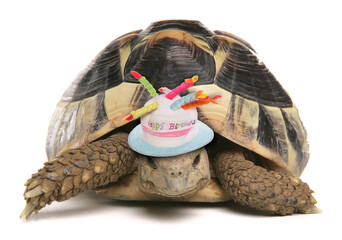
<point x="174" y="177"/>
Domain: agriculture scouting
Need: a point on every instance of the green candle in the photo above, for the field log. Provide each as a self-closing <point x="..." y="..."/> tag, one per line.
<point x="145" y="83"/>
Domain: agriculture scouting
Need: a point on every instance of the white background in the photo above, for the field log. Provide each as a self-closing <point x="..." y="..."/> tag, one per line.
<point x="43" y="45"/>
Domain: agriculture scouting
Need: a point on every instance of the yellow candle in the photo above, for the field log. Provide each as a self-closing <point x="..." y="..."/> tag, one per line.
<point x="141" y="111"/>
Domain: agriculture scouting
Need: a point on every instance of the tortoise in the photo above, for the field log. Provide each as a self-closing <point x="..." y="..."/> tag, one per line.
<point x="258" y="153"/>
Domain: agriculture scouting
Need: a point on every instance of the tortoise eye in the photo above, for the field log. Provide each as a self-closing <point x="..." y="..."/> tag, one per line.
<point x="196" y="160"/>
<point x="151" y="163"/>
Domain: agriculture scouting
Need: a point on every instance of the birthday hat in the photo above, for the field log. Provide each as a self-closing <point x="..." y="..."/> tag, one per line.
<point x="169" y="123"/>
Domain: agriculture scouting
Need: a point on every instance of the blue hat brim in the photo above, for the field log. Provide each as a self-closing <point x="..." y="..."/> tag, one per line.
<point x="204" y="136"/>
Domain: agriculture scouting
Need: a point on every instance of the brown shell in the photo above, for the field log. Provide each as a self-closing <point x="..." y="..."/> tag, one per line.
<point x="255" y="111"/>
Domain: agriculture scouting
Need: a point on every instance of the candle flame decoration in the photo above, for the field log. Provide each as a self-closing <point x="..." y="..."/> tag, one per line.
<point x="185" y="85"/>
<point x="188" y="99"/>
<point x="191" y="80"/>
<point x="164" y="90"/>
<point x="145" y="83"/>
<point x="141" y="111"/>
<point x="201" y="102"/>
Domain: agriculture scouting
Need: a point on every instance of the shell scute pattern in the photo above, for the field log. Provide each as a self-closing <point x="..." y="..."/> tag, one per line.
<point x="255" y="111"/>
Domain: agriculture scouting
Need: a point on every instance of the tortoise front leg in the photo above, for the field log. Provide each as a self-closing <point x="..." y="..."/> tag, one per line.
<point x="271" y="191"/>
<point x="75" y="171"/>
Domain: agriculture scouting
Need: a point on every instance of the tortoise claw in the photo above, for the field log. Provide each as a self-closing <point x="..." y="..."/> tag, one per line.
<point x="314" y="210"/>
<point x="28" y="210"/>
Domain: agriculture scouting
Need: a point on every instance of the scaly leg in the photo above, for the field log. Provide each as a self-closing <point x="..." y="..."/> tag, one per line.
<point x="271" y="191"/>
<point x="75" y="171"/>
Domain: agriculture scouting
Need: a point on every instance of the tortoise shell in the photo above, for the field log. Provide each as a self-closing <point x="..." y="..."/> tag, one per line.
<point x="255" y="111"/>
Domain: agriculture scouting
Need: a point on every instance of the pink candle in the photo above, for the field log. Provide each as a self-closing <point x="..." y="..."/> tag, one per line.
<point x="185" y="85"/>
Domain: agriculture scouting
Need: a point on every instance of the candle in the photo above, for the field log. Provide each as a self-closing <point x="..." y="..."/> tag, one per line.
<point x="145" y="83"/>
<point x="187" y="99"/>
<point x="185" y="85"/>
<point x="200" y="102"/>
<point x="141" y="111"/>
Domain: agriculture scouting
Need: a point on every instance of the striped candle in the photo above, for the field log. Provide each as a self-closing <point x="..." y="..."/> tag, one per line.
<point x="185" y="85"/>
<point x="145" y="83"/>
<point x="200" y="102"/>
<point x="187" y="99"/>
<point x="141" y="111"/>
